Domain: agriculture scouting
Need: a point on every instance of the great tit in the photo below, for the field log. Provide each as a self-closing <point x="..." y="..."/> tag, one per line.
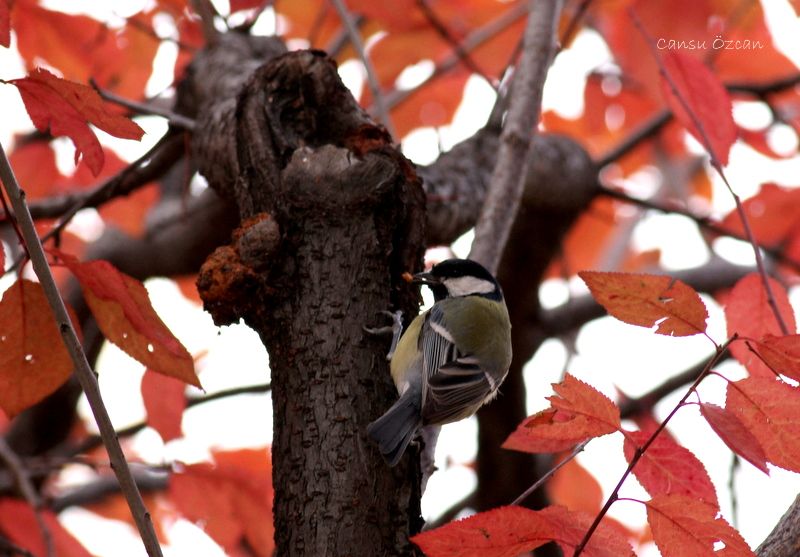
<point x="452" y="358"/>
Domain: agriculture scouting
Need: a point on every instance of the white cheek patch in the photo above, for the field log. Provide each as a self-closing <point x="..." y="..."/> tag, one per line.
<point x="464" y="286"/>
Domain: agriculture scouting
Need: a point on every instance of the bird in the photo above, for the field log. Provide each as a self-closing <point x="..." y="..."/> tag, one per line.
<point x="451" y="360"/>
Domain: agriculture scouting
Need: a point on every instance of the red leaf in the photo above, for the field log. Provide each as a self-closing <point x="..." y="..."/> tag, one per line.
<point x="734" y="434"/>
<point x="575" y="488"/>
<point x="65" y="108"/>
<point x="5" y="23"/>
<point x="33" y="359"/>
<point x="705" y="97"/>
<point x="770" y="410"/>
<point x="685" y="526"/>
<point x="782" y="354"/>
<point x="125" y="316"/>
<point x="749" y="315"/>
<point x="238" y="5"/>
<point x="164" y="401"/>
<point x="667" y="468"/>
<point x="647" y="300"/>
<point x="232" y="500"/>
<point x="757" y="139"/>
<point x="34" y="164"/>
<point x="578" y="412"/>
<point x="18" y="523"/>
<point x="509" y="531"/>
<point x="771" y="214"/>
<point x="81" y="47"/>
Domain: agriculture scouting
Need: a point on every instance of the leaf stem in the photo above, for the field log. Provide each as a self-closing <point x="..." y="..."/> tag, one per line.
<point x="83" y="370"/>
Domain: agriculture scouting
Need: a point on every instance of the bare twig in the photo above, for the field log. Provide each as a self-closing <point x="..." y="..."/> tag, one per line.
<point x="644" y="131"/>
<point x="508" y="178"/>
<point x="372" y="79"/>
<point x="702" y="221"/>
<point x="340" y="40"/>
<point x="454" y="42"/>
<point x="572" y="26"/>
<point x="94" y="441"/>
<point x="538" y="483"/>
<point x="205" y="9"/>
<point x="28" y="492"/>
<point x="10" y="549"/>
<point x="633" y="407"/>
<point x="83" y="370"/>
<point x="145" y="169"/>
<point x="718" y="167"/>
<point x="454" y="510"/>
<point x="764" y="88"/>
<point x="177" y="120"/>
<point x="637" y="455"/>
<point x="470" y="43"/>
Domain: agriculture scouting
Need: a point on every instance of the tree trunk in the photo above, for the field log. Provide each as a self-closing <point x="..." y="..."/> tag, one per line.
<point x="332" y="216"/>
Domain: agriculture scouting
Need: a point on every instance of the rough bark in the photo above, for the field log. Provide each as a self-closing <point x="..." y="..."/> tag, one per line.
<point x="332" y="216"/>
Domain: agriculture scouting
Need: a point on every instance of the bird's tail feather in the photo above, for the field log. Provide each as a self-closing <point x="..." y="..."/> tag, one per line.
<point x="396" y="428"/>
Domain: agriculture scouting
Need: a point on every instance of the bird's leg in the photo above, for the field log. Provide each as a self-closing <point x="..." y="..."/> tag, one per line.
<point x="396" y="330"/>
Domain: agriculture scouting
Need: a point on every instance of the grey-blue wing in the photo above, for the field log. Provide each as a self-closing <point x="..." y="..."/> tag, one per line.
<point x="454" y="386"/>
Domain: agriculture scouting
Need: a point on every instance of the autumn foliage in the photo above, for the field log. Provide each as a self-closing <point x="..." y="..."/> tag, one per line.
<point x="664" y="107"/>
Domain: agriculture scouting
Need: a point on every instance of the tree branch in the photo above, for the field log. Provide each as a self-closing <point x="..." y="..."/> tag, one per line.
<point x="463" y="55"/>
<point x="372" y="79"/>
<point x="177" y="120"/>
<point x="510" y="171"/>
<point x="145" y="169"/>
<point x="470" y="43"/>
<point x="83" y="371"/>
<point x="28" y="492"/>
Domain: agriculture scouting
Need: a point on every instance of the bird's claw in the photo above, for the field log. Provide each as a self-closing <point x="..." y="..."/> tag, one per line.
<point x="395" y="329"/>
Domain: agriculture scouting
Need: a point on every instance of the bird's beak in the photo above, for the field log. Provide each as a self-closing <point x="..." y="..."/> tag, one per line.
<point x="425" y="278"/>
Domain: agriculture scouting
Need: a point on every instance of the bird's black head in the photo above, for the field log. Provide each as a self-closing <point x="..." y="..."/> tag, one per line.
<point x="461" y="277"/>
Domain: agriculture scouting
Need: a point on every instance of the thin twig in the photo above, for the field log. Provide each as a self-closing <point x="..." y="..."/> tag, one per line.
<point x="372" y="79"/>
<point x="538" y="483"/>
<point x="9" y="549"/>
<point x="572" y="26"/>
<point x="508" y="178"/>
<point x="143" y="170"/>
<point x="495" y="119"/>
<point x="177" y="120"/>
<point x="342" y="38"/>
<point x="454" y="510"/>
<point x="454" y="42"/>
<point x="702" y="221"/>
<point x="83" y="370"/>
<point x="470" y="43"/>
<point x="28" y="492"/>
<point x="94" y="441"/>
<point x="644" y="131"/>
<point x="637" y="455"/>
<point x="205" y="9"/>
<point x="718" y="167"/>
